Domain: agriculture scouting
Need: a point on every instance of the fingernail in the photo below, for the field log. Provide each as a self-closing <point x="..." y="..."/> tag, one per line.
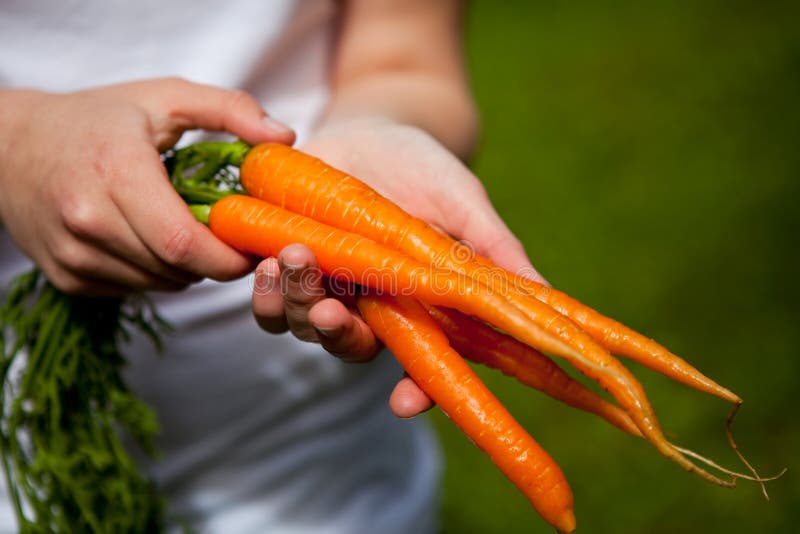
<point x="329" y="333"/>
<point x="275" y="127"/>
<point x="294" y="266"/>
<point x="265" y="282"/>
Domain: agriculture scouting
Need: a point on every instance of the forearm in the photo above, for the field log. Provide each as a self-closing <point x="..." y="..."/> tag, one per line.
<point x="440" y="106"/>
<point x="403" y="60"/>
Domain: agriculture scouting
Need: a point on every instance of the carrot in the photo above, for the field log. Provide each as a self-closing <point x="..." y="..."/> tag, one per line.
<point x="423" y="350"/>
<point x="306" y="185"/>
<point x="257" y="227"/>
<point x="260" y="228"/>
<point x="482" y="344"/>
<point x="615" y="336"/>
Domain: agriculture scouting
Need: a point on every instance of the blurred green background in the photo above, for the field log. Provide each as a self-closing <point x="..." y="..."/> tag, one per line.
<point x="648" y="156"/>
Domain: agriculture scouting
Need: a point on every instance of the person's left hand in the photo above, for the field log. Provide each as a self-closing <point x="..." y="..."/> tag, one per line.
<point x="411" y="168"/>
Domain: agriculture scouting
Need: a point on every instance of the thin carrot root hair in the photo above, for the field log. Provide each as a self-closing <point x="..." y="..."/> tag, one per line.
<point x="705" y="475"/>
<point x="733" y="474"/>
<point x="756" y="477"/>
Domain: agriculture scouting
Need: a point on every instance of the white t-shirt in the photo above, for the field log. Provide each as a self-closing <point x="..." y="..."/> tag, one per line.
<point x="260" y="433"/>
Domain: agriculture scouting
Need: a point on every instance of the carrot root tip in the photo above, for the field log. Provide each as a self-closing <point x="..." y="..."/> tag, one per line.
<point x="566" y="523"/>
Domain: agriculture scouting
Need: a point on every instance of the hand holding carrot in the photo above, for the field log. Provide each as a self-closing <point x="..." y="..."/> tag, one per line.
<point x="289" y="294"/>
<point x="84" y="194"/>
<point x="421" y="175"/>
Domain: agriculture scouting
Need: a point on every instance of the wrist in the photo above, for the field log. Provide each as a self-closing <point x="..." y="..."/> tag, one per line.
<point x="16" y="108"/>
<point x="16" y="103"/>
<point x="334" y="124"/>
<point x="440" y="106"/>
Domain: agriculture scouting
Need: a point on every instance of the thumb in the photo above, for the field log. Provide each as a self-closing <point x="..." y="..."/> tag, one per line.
<point x="485" y="232"/>
<point x="188" y="105"/>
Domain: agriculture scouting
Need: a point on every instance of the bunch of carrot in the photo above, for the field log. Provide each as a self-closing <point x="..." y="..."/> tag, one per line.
<point x="442" y="303"/>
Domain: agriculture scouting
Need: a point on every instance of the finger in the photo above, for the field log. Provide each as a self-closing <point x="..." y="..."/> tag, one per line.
<point x="491" y="238"/>
<point x="408" y="400"/>
<point x="193" y="105"/>
<point x="84" y="286"/>
<point x="163" y="223"/>
<point x="267" y="298"/>
<point x="84" y="260"/>
<point x="343" y="333"/>
<point x="301" y="284"/>
<point x="110" y="232"/>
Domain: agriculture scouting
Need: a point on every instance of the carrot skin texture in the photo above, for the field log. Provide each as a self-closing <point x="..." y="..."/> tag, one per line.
<point x="260" y="228"/>
<point x="421" y="347"/>
<point x="304" y="184"/>
<point x="482" y="344"/>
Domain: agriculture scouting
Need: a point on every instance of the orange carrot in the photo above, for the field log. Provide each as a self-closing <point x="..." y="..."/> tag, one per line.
<point x="257" y="227"/>
<point x="423" y="350"/>
<point x="260" y="228"/>
<point x="482" y="344"/>
<point x="613" y="335"/>
<point x="306" y="185"/>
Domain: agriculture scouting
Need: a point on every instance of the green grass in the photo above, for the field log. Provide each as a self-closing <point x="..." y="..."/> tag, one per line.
<point x="647" y="155"/>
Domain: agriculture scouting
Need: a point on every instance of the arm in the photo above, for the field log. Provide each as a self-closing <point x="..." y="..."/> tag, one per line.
<point x="403" y="61"/>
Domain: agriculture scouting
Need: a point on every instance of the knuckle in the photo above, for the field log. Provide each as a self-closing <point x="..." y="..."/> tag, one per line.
<point x="101" y="156"/>
<point x="177" y="247"/>
<point x="303" y="332"/>
<point x="239" y="99"/>
<point x="302" y="287"/>
<point x="301" y="328"/>
<point x="72" y="256"/>
<point x="82" y="219"/>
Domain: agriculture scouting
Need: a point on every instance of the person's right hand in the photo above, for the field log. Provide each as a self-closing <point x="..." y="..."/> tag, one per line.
<point x="84" y="194"/>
